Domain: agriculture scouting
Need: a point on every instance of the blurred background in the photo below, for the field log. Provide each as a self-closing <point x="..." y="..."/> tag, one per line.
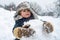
<point x="48" y="10"/>
<point x="46" y="7"/>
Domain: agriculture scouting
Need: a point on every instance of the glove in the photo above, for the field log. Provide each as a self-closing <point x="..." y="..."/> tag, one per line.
<point x="20" y="31"/>
<point x="28" y="32"/>
<point x="47" y="27"/>
<point x="17" y="32"/>
<point x="26" y="26"/>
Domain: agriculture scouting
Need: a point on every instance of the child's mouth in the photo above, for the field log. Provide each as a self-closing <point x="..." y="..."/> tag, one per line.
<point x="27" y="14"/>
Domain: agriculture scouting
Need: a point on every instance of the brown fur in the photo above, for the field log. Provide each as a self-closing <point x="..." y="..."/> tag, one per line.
<point x="19" y="32"/>
<point x="26" y="26"/>
<point x="27" y="32"/>
<point x="48" y="25"/>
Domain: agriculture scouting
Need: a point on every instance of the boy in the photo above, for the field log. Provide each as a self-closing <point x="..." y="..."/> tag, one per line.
<point x="23" y="14"/>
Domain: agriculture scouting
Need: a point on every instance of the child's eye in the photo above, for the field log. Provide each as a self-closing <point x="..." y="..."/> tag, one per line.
<point x="28" y="10"/>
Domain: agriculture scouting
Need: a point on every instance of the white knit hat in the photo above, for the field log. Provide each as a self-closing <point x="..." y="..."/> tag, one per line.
<point x="24" y="5"/>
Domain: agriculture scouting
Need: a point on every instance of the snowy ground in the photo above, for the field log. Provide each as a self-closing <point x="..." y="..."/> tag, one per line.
<point x="7" y="23"/>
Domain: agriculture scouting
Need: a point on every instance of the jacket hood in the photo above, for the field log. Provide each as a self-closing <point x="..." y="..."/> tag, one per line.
<point x="24" y="5"/>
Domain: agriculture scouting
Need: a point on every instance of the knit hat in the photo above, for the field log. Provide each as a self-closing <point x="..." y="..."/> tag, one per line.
<point x="23" y="5"/>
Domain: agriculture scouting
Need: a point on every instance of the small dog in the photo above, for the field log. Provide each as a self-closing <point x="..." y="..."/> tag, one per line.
<point x="47" y="27"/>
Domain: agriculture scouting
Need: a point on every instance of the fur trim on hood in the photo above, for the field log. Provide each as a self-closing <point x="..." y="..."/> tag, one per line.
<point x="24" y="5"/>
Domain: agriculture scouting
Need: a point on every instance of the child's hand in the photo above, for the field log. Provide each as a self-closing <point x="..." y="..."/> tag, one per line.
<point x="48" y="27"/>
<point x="26" y="26"/>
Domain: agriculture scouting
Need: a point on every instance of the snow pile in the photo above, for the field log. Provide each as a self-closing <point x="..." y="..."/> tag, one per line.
<point x="40" y="34"/>
<point x="7" y="23"/>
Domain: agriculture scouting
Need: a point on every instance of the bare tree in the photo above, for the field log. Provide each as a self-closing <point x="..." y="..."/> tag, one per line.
<point x="10" y="7"/>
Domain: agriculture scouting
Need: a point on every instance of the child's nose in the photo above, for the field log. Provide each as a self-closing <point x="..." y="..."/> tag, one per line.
<point x="27" y="11"/>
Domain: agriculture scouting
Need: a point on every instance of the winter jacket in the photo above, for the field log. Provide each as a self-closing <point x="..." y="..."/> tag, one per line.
<point x="19" y="21"/>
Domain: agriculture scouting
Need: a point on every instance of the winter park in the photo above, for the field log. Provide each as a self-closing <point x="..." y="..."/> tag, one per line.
<point x="29" y="19"/>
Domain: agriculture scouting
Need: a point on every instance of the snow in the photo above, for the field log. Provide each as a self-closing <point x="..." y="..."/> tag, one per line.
<point x="7" y="23"/>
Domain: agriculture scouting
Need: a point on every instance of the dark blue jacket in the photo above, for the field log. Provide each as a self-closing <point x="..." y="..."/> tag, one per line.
<point x="20" y="22"/>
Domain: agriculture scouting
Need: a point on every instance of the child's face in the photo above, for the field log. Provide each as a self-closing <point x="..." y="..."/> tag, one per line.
<point x="25" y="13"/>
